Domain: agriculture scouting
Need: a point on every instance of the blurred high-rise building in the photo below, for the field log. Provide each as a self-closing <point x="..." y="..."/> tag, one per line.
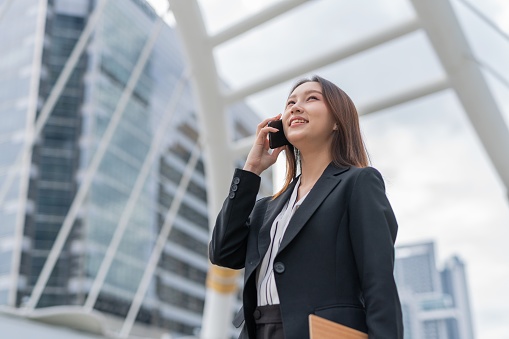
<point x="43" y="177"/>
<point x="435" y="302"/>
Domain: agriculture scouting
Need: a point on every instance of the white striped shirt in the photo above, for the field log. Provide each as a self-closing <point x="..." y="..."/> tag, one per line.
<point x="267" y="291"/>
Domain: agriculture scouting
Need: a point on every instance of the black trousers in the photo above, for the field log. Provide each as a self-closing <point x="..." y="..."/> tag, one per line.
<point x="269" y="324"/>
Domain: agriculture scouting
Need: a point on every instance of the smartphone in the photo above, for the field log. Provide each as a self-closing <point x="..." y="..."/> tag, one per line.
<point x="277" y="139"/>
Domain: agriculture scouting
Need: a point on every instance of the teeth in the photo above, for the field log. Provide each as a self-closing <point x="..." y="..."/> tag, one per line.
<point x="299" y="121"/>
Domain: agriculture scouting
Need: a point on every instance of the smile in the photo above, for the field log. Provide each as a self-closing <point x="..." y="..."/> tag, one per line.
<point x="298" y="121"/>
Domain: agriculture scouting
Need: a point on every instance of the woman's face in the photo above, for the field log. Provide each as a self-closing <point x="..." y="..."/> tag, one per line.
<point x="306" y="119"/>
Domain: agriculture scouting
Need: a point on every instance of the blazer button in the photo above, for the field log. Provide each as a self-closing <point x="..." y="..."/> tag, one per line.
<point x="257" y="314"/>
<point x="279" y="267"/>
<point x="232" y="195"/>
<point x="236" y="180"/>
<point x="234" y="188"/>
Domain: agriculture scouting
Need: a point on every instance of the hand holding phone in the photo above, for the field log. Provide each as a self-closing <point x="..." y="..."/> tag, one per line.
<point x="277" y="139"/>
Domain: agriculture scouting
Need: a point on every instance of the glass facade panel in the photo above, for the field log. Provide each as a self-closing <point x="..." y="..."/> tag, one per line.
<point x="8" y="223"/>
<point x="5" y="262"/>
<point x="4" y="294"/>
<point x="8" y="153"/>
<point x="13" y="119"/>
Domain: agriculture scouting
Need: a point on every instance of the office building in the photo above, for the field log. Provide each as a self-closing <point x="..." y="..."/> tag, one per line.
<point x="435" y="302"/>
<point x="43" y="179"/>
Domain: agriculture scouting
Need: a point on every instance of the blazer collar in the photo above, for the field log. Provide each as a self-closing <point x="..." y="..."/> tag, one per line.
<point x="322" y="188"/>
<point x="325" y="184"/>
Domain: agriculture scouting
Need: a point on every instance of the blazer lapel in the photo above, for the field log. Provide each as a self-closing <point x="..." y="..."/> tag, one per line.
<point x="273" y="209"/>
<point x="322" y="188"/>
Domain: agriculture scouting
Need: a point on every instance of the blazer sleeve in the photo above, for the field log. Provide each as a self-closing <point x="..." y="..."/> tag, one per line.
<point x="373" y="229"/>
<point x="228" y="245"/>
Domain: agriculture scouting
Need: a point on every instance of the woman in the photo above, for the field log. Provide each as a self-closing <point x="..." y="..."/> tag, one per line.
<point x="324" y="244"/>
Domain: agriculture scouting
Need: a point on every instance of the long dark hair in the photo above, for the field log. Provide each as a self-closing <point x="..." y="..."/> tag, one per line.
<point x="348" y="148"/>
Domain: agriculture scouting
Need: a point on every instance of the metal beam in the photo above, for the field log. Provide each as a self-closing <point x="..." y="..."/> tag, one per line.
<point x="485" y="19"/>
<point x="447" y="37"/>
<point x="405" y="96"/>
<point x="254" y="21"/>
<point x="331" y="57"/>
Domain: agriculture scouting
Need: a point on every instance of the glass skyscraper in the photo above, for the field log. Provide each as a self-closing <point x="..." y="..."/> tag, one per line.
<point x="44" y="178"/>
<point x="20" y="72"/>
<point x="435" y="302"/>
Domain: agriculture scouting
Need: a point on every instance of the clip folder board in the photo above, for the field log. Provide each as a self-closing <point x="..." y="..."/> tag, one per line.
<point x="320" y="328"/>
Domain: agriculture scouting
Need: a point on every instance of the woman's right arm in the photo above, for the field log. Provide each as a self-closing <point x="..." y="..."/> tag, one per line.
<point x="229" y="238"/>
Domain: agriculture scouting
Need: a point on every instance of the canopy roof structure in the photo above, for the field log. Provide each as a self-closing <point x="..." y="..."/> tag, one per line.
<point x="457" y="69"/>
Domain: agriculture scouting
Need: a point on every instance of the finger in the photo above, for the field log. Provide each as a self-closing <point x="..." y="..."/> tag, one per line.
<point x="266" y="130"/>
<point x="277" y="117"/>
<point x="263" y="133"/>
<point x="266" y="121"/>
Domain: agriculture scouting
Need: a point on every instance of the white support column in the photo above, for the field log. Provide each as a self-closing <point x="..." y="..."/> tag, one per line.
<point x="92" y="169"/>
<point x="220" y="301"/>
<point x="216" y="143"/>
<point x="447" y="37"/>
<point x="211" y="108"/>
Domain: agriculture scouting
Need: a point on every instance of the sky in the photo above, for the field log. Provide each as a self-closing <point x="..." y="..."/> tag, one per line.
<point x="439" y="179"/>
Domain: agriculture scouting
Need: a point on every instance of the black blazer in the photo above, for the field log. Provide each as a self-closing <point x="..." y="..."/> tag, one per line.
<point x="336" y="257"/>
